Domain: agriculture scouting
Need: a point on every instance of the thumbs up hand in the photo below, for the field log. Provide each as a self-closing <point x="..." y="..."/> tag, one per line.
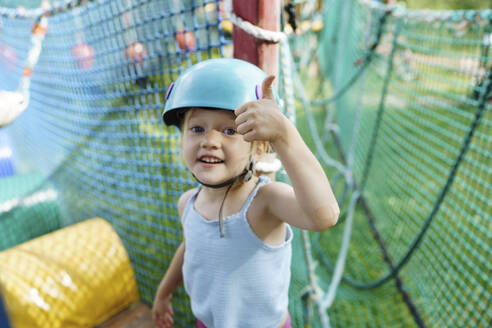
<point x="261" y="119"/>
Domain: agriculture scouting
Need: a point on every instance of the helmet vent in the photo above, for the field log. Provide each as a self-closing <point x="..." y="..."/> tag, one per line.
<point x="259" y="92"/>
<point x="168" y="92"/>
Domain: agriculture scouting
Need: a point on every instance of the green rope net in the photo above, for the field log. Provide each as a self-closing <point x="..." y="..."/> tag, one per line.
<point x="411" y="91"/>
<point x="394" y="102"/>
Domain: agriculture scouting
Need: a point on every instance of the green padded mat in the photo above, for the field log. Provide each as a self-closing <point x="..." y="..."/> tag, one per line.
<point x="28" y="209"/>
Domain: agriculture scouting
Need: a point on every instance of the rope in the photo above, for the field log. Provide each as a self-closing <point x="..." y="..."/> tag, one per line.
<point x="342" y="255"/>
<point x="374" y="136"/>
<point x="57" y="8"/>
<point x="400" y="11"/>
<point x="287" y="69"/>
<point x="362" y="62"/>
<point x="39" y="29"/>
<point x="13" y="103"/>
<point x="313" y="292"/>
<point x="257" y="32"/>
<point x="314" y="132"/>
<point x="340" y="53"/>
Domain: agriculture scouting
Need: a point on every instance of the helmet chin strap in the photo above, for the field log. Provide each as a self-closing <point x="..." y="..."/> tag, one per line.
<point x="222" y="184"/>
<point x="246" y="175"/>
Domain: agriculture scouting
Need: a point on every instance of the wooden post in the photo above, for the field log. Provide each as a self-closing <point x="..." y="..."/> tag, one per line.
<point x="264" y="14"/>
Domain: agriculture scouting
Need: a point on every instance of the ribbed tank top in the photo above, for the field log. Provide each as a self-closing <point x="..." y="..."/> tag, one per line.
<point x="236" y="281"/>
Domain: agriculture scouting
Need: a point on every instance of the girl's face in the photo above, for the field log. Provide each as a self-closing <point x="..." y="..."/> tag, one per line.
<point x="212" y="150"/>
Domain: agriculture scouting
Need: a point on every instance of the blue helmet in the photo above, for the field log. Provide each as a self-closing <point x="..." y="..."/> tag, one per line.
<point x="223" y="83"/>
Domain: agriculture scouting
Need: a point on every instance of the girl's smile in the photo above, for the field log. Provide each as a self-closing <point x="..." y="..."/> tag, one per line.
<point x="210" y="161"/>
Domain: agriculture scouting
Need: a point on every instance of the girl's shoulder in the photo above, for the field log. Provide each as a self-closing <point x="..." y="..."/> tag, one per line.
<point x="271" y="193"/>
<point x="265" y="223"/>
<point x="274" y="189"/>
<point x="277" y="201"/>
<point x="183" y="199"/>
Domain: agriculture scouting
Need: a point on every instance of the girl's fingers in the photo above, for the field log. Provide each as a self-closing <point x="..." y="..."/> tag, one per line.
<point x="156" y="319"/>
<point x="238" y="111"/>
<point x="242" y="108"/>
<point x="240" y="119"/>
<point x="244" y="112"/>
<point x="160" y="323"/>
<point x="244" y="128"/>
<point x="250" y="136"/>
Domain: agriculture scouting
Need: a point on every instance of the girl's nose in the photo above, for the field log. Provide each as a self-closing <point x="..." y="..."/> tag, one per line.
<point x="211" y="139"/>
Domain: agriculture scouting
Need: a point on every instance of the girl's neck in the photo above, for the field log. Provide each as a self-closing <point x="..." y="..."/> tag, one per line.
<point x="239" y="190"/>
<point x="210" y="200"/>
<point x="216" y="194"/>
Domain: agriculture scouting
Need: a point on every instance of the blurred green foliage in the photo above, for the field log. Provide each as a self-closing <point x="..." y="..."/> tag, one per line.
<point x="448" y="4"/>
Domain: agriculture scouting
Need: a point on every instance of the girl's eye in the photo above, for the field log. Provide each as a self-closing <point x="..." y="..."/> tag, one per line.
<point x="230" y="132"/>
<point x="196" y="129"/>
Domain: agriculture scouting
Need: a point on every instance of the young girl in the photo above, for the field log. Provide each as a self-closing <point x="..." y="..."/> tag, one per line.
<point x="236" y="251"/>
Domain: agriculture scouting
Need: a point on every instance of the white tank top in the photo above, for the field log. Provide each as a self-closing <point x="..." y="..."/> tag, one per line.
<point x="236" y="281"/>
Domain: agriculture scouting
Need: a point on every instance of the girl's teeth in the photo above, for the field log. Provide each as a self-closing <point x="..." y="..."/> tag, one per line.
<point x="211" y="160"/>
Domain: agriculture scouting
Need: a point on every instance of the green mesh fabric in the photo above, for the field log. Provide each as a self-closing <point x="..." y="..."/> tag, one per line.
<point x="410" y="94"/>
<point x="399" y="97"/>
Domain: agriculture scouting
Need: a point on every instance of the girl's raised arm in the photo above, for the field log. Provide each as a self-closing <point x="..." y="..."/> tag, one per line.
<point x="310" y="202"/>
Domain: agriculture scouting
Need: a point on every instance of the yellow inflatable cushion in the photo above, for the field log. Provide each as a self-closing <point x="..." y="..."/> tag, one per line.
<point x="75" y="277"/>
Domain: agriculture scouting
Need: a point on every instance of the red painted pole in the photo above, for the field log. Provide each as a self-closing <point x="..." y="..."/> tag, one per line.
<point x="265" y="14"/>
<point x="269" y="19"/>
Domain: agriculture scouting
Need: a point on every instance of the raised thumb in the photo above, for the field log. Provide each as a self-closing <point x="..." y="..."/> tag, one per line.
<point x="266" y="87"/>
